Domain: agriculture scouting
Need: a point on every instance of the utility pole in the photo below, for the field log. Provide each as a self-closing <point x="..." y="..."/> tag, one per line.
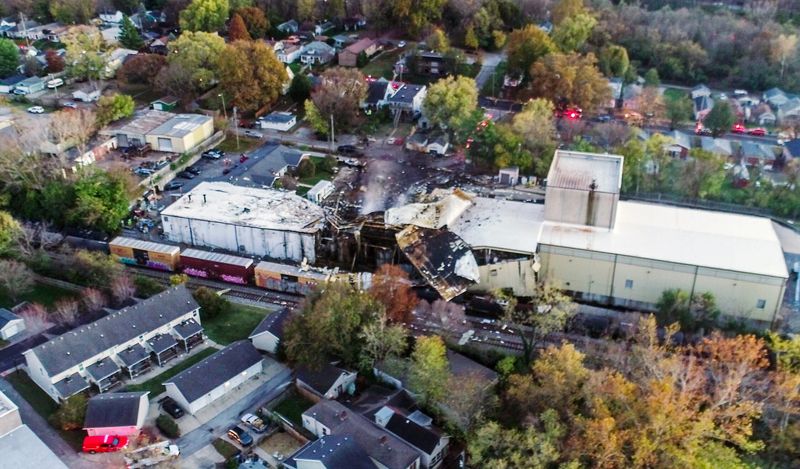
<point x="25" y="29"/>
<point x="333" y="138"/>
<point x="235" y="126"/>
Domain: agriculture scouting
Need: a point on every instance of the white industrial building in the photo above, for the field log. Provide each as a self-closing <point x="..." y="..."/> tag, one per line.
<point x="261" y="222"/>
<point x="19" y="446"/>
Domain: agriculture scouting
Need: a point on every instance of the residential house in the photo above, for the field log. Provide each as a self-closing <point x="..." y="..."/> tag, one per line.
<point x="623" y="95"/>
<point x="8" y="84"/>
<point x="7" y="24"/>
<point x="115" y="59"/>
<point x="111" y="18"/>
<point x="213" y="377"/>
<point x="86" y="94"/>
<point x="429" y="63"/>
<point x="288" y="27"/>
<point x="700" y="91"/>
<point x="289" y="53"/>
<point x="340" y="40"/>
<point x="386" y="450"/>
<point x="280" y="121"/>
<point x="322" y="27"/>
<point x="354" y="22"/>
<point x="791" y="148"/>
<point x="10" y="324"/>
<point x="327" y="382"/>
<point x="680" y="144"/>
<point x="416" y="430"/>
<point x="31" y="85"/>
<point x="19" y="445"/>
<point x="406" y="98"/>
<point x="417" y="142"/>
<point x="320" y="191"/>
<point x="718" y="146"/>
<point x="438" y="143"/>
<point x="701" y="106"/>
<point x="756" y="154"/>
<point x="67" y="364"/>
<point x="775" y="97"/>
<point x="762" y="115"/>
<point x="181" y="133"/>
<point x="116" y="413"/>
<point x="272" y="162"/>
<point x="349" y="56"/>
<point x="396" y="374"/>
<point x="509" y="176"/>
<point x="789" y="110"/>
<point x="376" y="93"/>
<point x="167" y="103"/>
<point x="269" y="332"/>
<point x="330" y="452"/>
<point x="317" y="52"/>
<point x="29" y="29"/>
<point x="111" y="34"/>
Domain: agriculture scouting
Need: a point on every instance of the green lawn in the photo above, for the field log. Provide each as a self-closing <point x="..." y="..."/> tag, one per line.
<point x="224" y="448"/>
<point x="293" y="407"/>
<point x="45" y="294"/>
<point x="245" y="144"/>
<point x="237" y="324"/>
<point x="319" y="174"/>
<point x="154" y="384"/>
<point x="43" y="405"/>
<point x="382" y="65"/>
<point x="671" y="94"/>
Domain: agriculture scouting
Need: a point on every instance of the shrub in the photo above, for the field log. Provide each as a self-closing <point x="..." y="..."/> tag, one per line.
<point x="146" y="286"/>
<point x="168" y="426"/>
<point x="306" y="169"/>
<point x="71" y="413"/>
<point x="211" y="304"/>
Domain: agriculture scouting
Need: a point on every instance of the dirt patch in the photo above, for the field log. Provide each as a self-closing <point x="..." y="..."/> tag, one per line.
<point x="281" y="443"/>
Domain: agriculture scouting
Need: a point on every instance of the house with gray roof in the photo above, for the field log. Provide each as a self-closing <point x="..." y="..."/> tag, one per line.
<point x="271" y="163"/>
<point x="680" y="144"/>
<point x="213" y="377"/>
<point x="775" y="97"/>
<point x="288" y="27"/>
<point x="316" y="53"/>
<point x="269" y="332"/>
<point x="718" y="146"/>
<point x="789" y="110"/>
<point x="116" y="413"/>
<point x="416" y="430"/>
<point x="10" y="324"/>
<point x="325" y="382"/>
<point x="386" y="450"/>
<point x="97" y="353"/>
<point x="330" y="452"/>
<point x="405" y="97"/>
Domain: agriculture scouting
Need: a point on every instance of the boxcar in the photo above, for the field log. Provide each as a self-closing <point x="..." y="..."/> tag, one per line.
<point x="288" y="278"/>
<point x="217" y="266"/>
<point x="145" y="253"/>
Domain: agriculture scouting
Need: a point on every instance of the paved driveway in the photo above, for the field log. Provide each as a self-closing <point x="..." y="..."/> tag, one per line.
<point x="203" y="435"/>
<point x="490" y="61"/>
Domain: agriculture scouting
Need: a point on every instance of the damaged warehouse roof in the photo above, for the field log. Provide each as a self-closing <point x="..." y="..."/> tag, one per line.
<point x="223" y="202"/>
<point x="501" y="225"/>
<point x="441" y="257"/>
<point x="441" y="209"/>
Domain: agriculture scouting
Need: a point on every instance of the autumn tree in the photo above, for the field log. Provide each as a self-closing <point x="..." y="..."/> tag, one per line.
<point x="720" y="119"/>
<point x="129" y="36"/>
<point x="784" y="47"/>
<point x="392" y="287"/>
<point x="254" y="19"/>
<point x="525" y="46"/>
<point x="204" y="15"/>
<point x="113" y="108"/>
<point x="141" y="69"/>
<point x="571" y="77"/>
<point x="85" y="56"/>
<point x="237" y="31"/>
<point x="442" y="316"/>
<point x="536" y="447"/>
<point x="678" y="110"/>
<point x="340" y="94"/>
<point x="572" y="32"/>
<point x="549" y="311"/>
<point x="451" y="101"/>
<point x="55" y="63"/>
<point x="9" y="57"/>
<point x="469" y="398"/>
<point x="192" y="64"/>
<point x="382" y="341"/>
<point x="72" y="11"/>
<point x="613" y="61"/>
<point x="16" y="278"/>
<point x="36" y="318"/>
<point x="31" y="66"/>
<point x="536" y="125"/>
<point x="331" y="324"/>
<point x="251" y="74"/>
<point x="122" y="288"/>
<point x="10" y="233"/>
<point x="702" y="176"/>
<point x="71" y="413"/>
<point x="471" y="39"/>
<point x="500" y="146"/>
<point x="66" y="311"/>
<point x="429" y="370"/>
<point x="437" y="40"/>
<point x="300" y="89"/>
<point x="651" y="78"/>
<point x="102" y="200"/>
<point x="565" y="9"/>
<point x="93" y="299"/>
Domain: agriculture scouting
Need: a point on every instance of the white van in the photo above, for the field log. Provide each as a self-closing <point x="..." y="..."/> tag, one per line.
<point x="55" y="83"/>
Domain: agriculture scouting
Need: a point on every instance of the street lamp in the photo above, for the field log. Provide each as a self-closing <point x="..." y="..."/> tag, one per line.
<point x="225" y="111"/>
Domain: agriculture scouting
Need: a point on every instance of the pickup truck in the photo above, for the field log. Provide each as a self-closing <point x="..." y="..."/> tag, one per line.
<point x="151" y="455"/>
<point x="254" y="422"/>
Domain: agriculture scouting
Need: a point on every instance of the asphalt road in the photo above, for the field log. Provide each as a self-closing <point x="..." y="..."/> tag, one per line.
<point x="205" y="434"/>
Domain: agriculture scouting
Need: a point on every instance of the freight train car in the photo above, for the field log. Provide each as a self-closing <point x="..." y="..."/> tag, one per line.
<point x="288" y="278"/>
<point x="145" y="253"/>
<point x="217" y="266"/>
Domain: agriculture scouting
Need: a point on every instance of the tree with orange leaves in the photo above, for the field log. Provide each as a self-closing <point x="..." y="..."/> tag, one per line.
<point x="237" y="30"/>
<point x="392" y="287"/>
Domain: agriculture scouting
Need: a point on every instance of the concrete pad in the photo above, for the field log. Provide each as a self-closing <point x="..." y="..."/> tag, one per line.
<point x="206" y="458"/>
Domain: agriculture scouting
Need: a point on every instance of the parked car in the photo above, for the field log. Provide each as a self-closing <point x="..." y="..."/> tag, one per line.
<point x="36" y="110"/>
<point x="185" y="175"/>
<point x="19" y="92"/>
<point x="254" y="422"/>
<point x="401" y="44"/>
<point x="213" y="154"/>
<point x="170" y="406"/>
<point x="758" y="132"/>
<point x="143" y="172"/>
<point x="193" y="170"/>
<point x="104" y="443"/>
<point x="239" y="435"/>
<point x="252" y="133"/>
<point x="243" y="158"/>
<point x="55" y="83"/>
<point x="347" y="149"/>
<point x="603" y="118"/>
<point x="69" y="104"/>
<point x="738" y="128"/>
<point x="173" y="186"/>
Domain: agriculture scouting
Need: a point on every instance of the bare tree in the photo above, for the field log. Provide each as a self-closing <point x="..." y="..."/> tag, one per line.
<point x="122" y="288"/>
<point x="447" y="318"/>
<point x="66" y="311"/>
<point x="74" y="126"/>
<point x="15" y="278"/>
<point x="469" y="397"/>
<point x="93" y="299"/>
<point x="36" y="318"/>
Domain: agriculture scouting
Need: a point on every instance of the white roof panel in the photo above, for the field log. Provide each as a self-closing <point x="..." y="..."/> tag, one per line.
<point x="501" y="224"/>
